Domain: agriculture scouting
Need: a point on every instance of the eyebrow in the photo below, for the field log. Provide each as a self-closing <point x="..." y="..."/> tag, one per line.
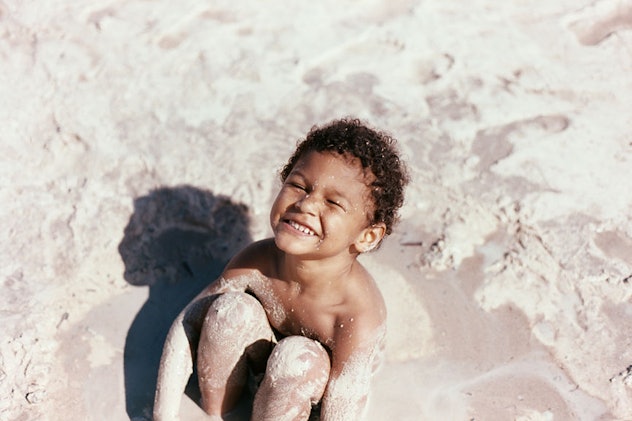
<point x="296" y="173"/>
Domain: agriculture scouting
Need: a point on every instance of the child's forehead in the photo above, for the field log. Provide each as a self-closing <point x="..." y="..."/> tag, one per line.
<point x="341" y="161"/>
<point x="346" y="169"/>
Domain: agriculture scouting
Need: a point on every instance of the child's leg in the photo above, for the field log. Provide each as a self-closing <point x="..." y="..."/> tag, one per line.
<point x="296" y="376"/>
<point x="235" y="332"/>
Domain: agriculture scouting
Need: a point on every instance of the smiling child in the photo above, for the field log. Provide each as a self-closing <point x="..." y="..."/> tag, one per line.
<point x="297" y="311"/>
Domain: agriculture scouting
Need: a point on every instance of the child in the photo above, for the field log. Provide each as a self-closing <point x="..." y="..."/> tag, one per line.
<point x="297" y="308"/>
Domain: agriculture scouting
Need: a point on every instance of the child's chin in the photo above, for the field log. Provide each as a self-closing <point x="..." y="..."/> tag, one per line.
<point x="295" y="246"/>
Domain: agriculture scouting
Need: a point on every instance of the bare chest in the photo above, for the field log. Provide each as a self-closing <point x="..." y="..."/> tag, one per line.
<point x="292" y="313"/>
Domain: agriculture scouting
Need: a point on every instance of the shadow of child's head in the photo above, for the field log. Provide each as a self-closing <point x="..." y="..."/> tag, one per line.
<point x="176" y="233"/>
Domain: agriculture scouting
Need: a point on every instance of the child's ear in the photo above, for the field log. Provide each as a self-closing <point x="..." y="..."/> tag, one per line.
<point x="370" y="237"/>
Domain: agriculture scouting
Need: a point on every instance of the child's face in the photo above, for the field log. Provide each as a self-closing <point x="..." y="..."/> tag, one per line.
<point x="322" y="207"/>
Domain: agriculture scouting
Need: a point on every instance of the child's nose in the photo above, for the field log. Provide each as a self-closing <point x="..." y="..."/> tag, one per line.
<point x="307" y="203"/>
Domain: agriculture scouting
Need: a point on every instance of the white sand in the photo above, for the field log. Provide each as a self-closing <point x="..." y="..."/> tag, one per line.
<point x="507" y="282"/>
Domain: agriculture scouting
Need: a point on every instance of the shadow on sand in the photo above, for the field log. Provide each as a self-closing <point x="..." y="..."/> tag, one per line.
<point x="176" y="242"/>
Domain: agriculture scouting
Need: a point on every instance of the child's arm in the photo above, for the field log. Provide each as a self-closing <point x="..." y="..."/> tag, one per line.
<point x="176" y="363"/>
<point x="355" y="358"/>
<point x="179" y="351"/>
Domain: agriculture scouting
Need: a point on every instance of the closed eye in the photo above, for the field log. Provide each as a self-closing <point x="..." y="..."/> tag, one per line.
<point x="335" y="203"/>
<point x="297" y="186"/>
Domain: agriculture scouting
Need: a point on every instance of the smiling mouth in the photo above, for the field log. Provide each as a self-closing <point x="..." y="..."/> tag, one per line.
<point x="299" y="227"/>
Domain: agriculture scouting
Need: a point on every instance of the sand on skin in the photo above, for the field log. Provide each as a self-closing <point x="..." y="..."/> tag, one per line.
<point x="140" y="144"/>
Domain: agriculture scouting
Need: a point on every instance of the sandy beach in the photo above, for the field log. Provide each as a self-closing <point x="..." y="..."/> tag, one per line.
<point x="140" y="144"/>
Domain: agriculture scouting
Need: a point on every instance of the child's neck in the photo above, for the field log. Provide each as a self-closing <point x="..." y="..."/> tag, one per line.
<point x="316" y="274"/>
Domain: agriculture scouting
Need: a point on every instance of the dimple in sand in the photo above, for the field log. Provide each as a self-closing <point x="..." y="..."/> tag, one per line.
<point x="297" y="312"/>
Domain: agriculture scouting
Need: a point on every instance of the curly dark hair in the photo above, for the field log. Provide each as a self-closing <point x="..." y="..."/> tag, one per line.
<point x="376" y="151"/>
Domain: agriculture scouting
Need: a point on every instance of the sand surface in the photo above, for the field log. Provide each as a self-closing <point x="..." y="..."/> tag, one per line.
<point x="139" y="146"/>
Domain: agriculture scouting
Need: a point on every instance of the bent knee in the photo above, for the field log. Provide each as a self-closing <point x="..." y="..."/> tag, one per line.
<point x="298" y="357"/>
<point x="236" y="306"/>
<point x="237" y="315"/>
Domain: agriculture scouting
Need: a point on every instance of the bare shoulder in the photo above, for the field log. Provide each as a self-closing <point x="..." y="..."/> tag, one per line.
<point x="366" y="309"/>
<point x="258" y="256"/>
<point x="367" y="293"/>
<point x="360" y="332"/>
<point x="247" y="268"/>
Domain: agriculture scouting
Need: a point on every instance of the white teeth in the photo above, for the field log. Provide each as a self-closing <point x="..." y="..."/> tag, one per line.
<point x="301" y="228"/>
